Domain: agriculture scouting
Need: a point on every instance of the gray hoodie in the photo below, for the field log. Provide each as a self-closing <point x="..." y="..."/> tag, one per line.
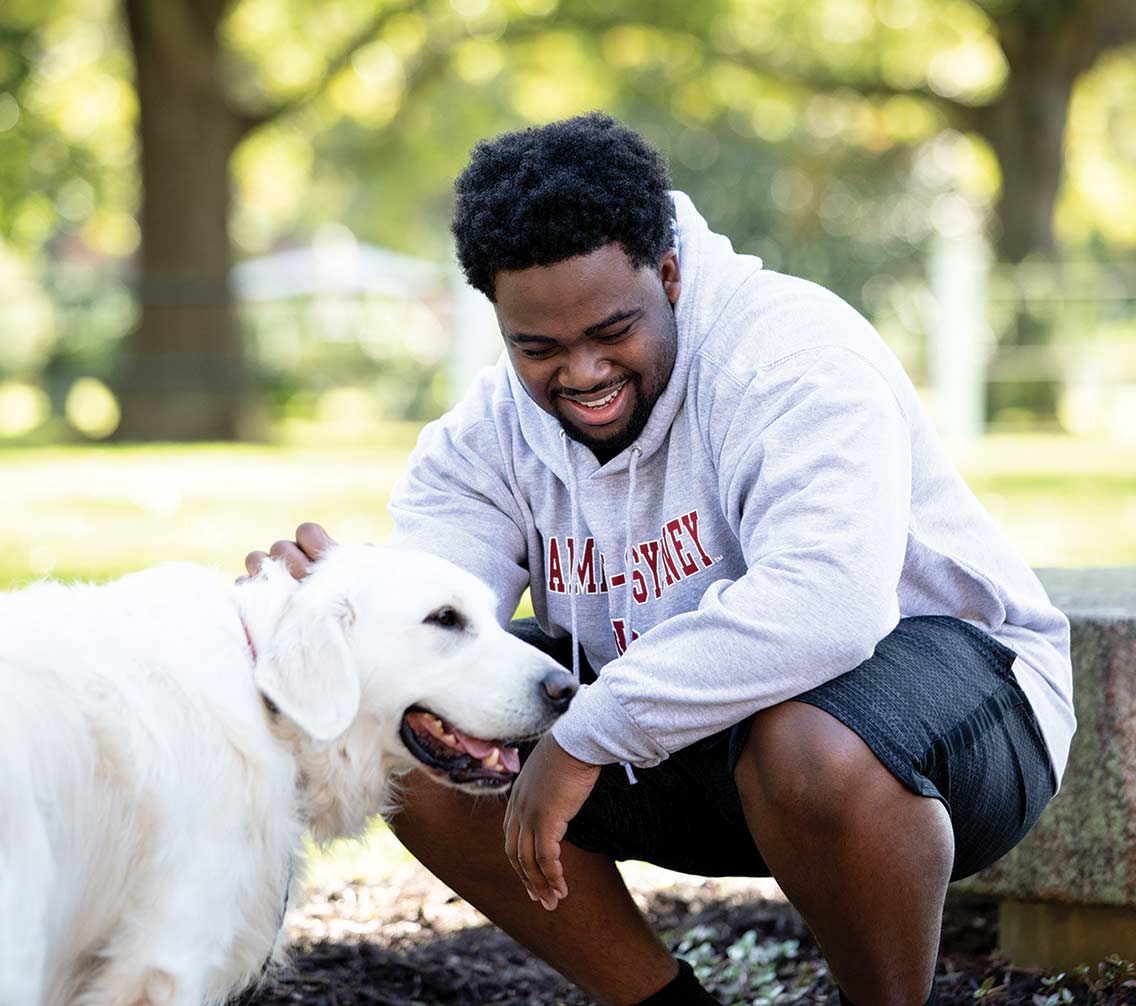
<point x="786" y="504"/>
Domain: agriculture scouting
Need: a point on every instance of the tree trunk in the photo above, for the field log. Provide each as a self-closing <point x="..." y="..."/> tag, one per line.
<point x="1047" y="46"/>
<point x="1026" y="129"/>
<point x="183" y="377"/>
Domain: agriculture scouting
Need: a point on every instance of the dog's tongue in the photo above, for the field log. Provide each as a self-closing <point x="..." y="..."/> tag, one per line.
<point x="481" y="749"/>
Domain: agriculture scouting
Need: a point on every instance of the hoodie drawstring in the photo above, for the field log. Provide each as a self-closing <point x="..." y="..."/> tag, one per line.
<point x="573" y="554"/>
<point x="628" y="556"/>
<point x="627" y="564"/>
<point x="573" y="587"/>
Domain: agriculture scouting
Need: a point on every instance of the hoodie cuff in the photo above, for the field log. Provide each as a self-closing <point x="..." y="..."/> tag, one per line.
<point x="598" y="730"/>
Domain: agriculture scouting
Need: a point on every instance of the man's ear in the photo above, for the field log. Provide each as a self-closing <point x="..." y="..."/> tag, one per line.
<point x="670" y="275"/>
<point x="307" y="670"/>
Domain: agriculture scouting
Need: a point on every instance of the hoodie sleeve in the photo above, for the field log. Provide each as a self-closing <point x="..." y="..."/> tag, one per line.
<point x="815" y="479"/>
<point x="453" y="502"/>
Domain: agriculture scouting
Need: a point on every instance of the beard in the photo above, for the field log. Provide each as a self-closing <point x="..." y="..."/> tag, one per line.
<point x="607" y="447"/>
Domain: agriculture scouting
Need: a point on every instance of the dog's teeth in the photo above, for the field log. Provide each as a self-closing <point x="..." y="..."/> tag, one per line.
<point x="450" y="739"/>
<point x="492" y="759"/>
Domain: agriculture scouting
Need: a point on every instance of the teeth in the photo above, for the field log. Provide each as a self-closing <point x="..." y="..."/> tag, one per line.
<point x="603" y="401"/>
<point x="450" y="739"/>
<point x="492" y="759"/>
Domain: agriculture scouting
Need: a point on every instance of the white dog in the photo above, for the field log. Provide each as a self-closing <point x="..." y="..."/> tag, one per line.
<point x="165" y="740"/>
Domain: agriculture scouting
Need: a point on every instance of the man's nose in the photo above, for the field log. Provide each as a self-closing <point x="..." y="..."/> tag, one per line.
<point x="586" y="368"/>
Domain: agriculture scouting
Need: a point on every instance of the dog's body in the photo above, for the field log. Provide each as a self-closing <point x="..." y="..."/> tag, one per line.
<point x="152" y="801"/>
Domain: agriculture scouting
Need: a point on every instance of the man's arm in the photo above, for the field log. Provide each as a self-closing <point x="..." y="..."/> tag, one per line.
<point x="454" y="502"/>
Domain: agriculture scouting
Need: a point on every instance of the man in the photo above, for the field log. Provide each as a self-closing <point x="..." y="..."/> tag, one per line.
<point x="818" y="657"/>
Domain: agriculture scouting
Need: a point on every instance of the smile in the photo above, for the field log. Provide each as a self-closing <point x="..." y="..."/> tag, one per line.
<point x="600" y="411"/>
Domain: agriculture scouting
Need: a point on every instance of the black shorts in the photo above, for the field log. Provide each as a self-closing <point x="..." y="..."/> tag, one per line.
<point x="937" y="703"/>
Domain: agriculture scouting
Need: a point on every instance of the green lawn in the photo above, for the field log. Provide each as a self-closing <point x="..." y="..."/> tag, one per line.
<point x="95" y="512"/>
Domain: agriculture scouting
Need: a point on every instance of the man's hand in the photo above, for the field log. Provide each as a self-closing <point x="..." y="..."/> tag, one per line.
<point x="311" y="542"/>
<point x="551" y="788"/>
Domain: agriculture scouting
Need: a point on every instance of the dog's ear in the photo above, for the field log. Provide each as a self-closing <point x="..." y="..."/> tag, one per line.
<point x="307" y="670"/>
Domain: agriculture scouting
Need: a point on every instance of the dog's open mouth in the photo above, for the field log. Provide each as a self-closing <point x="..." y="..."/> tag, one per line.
<point x="466" y="760"/>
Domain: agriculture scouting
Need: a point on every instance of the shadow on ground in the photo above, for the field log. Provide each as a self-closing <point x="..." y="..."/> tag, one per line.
<point x="412" y="942"/>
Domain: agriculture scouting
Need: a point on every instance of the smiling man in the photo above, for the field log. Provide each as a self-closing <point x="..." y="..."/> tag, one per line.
<point x="807" y="652"/>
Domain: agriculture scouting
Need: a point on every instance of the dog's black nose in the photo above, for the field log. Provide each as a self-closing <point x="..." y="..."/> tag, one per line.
<point x="559" y="686"/>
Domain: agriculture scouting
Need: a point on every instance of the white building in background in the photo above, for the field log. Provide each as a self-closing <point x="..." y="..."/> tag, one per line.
<point x="339" y="277"/>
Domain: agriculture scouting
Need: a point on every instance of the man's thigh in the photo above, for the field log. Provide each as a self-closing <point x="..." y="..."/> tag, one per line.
<point x="939" y="706"/>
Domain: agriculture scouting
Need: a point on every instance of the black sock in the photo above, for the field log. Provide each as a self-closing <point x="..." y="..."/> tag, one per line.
<point x="931" y="999"/>
<point x="683" y="990"/>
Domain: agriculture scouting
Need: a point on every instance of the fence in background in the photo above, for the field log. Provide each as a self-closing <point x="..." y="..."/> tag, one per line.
<point x="413" y="340"/>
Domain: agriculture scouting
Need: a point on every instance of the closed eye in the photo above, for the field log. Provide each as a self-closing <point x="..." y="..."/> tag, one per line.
<point x="613" y="336"/>
<point x="446" y="618"/>
<point x="537" y="354"/>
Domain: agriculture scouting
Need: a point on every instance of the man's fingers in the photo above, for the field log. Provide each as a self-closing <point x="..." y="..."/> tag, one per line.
<point x="253" y="562"/>
<point x="534" y="878"/>
<point x="294" y="560"/>
<point x="548" y="861"/>
<point x="313" y="540"/>
<point x="512" y="832"/>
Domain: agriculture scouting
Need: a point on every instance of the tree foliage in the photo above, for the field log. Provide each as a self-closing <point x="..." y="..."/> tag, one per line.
<point x="824" y="136"/>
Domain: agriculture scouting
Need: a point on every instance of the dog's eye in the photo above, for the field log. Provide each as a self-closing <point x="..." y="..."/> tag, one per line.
<point x="446" y="617"/>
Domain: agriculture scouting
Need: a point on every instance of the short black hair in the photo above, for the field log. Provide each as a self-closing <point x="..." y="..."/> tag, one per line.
<point x="541" y="195"/>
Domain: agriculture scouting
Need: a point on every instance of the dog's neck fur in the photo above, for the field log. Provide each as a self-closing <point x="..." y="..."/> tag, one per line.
<point x="339" y="784"/>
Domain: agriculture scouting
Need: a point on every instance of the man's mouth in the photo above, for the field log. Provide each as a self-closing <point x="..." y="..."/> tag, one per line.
<point x="599" y="408"/>
<point x="462" y="758"/>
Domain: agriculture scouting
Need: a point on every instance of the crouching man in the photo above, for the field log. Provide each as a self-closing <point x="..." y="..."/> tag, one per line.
<point x="807" y="651"/>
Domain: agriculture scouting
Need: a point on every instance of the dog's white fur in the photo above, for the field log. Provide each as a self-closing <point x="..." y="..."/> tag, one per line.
<point x="151" y="806"/>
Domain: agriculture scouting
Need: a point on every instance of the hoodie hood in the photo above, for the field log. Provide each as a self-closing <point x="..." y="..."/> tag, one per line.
<point x="711" y="274"/>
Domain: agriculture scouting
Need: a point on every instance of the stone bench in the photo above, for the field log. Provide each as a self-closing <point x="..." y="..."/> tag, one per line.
<point x="1068" y="892"/>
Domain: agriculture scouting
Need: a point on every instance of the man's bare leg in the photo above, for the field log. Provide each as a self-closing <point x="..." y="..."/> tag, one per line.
<point x="863" y="859"/>
<point x="597" y="937"/>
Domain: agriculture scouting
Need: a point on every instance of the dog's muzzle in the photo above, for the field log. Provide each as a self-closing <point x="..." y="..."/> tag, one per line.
<point x="466" y="760"/>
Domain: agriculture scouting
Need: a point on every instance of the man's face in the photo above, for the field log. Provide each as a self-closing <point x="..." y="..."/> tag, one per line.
<point x="593" y="340"/>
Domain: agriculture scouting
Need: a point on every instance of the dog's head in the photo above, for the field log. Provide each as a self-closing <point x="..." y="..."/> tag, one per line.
<point x="402" y="650"/>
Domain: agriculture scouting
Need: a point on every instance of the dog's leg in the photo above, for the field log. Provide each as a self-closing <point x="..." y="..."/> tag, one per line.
<point x="173" y="943"/>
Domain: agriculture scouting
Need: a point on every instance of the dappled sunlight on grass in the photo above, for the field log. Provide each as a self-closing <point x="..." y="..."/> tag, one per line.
<point x="1063" y="501"/>
<point x="96" y="512"/>
<point x="371" y="859"/>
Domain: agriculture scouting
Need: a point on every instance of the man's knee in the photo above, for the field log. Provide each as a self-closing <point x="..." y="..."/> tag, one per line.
<point x="802" y="763"/>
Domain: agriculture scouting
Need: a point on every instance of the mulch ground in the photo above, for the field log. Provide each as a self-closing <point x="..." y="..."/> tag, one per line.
<point x="411" y="942"/>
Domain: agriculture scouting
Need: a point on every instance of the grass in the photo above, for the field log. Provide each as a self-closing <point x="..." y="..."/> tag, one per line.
<point x="96" y="512"/>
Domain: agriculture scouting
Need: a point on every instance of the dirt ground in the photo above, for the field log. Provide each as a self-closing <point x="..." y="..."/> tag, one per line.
<point x="411" y="942"/>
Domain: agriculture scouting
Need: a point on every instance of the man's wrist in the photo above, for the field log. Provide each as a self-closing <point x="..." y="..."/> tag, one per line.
<point x="571" y="759"/>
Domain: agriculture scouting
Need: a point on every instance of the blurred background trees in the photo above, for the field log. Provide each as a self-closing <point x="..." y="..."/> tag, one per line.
<point x="148" y="145"/>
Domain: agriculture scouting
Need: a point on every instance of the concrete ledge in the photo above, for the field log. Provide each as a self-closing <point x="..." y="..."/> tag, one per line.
<point x="1083" y="850"/>
<point x="1047" y="935"/>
